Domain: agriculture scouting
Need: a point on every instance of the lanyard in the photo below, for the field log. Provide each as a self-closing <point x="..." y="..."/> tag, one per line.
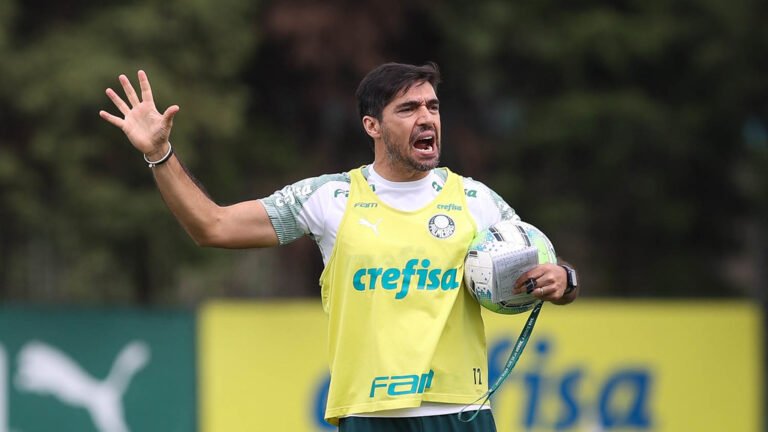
<point x="517" y="351"/>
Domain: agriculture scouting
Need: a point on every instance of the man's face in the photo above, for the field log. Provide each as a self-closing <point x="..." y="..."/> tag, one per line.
<point x="410" y="131"/>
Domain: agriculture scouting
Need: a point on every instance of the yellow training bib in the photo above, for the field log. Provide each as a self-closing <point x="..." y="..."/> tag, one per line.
<point x="402" y="327"/>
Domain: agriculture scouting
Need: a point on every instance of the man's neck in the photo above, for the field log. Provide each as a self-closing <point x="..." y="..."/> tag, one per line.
<point x="390" y="173"/>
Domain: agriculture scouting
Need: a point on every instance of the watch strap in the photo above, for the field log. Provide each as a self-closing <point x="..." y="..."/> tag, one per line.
<point x="571" y="283"/>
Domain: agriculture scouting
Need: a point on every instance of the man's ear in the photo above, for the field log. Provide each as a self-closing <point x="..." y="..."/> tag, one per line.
<point x="372" y="126"/>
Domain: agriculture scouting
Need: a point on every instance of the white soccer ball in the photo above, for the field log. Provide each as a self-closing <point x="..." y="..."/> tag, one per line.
<point x="497" y="257"/>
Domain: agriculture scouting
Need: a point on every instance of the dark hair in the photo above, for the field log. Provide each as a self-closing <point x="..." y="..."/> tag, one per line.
<point x="384" y="83"/>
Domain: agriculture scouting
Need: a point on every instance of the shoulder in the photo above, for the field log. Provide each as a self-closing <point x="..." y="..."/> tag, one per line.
<point x="300" y="208"/>
<point x="302" y="190"/>
<point x="474" y="188"/>
<point x="477" y="190"/>
<point x="487" y="205"/>
<point x="310" y="185"/>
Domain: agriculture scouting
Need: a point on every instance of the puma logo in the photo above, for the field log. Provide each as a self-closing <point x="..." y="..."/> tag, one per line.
<point x="44" y="369"/>
<point x="373" y="226"/>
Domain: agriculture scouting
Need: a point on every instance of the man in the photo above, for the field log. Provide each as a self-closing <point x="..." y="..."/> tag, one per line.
<point x="406" y="341"/>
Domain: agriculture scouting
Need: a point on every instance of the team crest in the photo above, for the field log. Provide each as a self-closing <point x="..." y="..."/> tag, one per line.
<point x="441" y="226"/>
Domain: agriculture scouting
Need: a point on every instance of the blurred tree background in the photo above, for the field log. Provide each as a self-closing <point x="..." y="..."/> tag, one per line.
<point x="634" y="133"/>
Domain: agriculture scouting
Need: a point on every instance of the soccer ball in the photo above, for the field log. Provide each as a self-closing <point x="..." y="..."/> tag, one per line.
<point x="497" y="257"/>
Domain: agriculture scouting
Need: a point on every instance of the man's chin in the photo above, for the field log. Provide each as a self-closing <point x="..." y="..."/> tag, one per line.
<point x="426" y="165"/>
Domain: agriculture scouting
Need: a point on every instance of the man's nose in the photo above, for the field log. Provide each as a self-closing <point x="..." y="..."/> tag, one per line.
<point x="425" y="116"/>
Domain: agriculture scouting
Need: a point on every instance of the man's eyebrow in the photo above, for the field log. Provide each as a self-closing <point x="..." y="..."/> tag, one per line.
<point x="414" y="103"/>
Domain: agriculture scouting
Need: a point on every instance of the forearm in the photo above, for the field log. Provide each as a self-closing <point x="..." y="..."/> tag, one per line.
<point x="191" y="206"/>
<point x="240" y="225"/>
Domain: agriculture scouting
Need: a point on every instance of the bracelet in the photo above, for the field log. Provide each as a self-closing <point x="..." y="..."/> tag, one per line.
<point x="162" y="160"/>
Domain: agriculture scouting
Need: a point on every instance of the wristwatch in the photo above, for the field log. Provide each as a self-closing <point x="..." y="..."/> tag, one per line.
<point x="573" y="281"/>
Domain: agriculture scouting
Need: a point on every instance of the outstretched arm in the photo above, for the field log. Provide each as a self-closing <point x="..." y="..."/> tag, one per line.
<point x="241" y="225"/>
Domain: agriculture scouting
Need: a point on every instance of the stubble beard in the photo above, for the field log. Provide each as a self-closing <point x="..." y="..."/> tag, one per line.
<point x="398" y="156"/>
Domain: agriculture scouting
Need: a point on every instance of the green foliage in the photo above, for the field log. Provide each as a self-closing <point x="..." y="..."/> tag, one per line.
<point x="633" y="133"/>
<point x="82" y="218"/>
<point x="629" y="129"/>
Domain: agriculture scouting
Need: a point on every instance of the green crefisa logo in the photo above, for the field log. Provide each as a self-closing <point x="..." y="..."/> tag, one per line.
<point x="403" y="279"/>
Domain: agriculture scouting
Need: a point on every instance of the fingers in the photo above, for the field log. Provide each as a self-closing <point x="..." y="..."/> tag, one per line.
<point x="168" y="116"/>
<point x="139" y="115"/>
<point x="133" y="99"/>
<point x="529" y="281"/>
<point x="146" y="90"/>
<point x="545" y="293"/>
<point x="530" y="285"/>
<point x="542" y="282"/>
<point x="119" y="103"/>
<point x="130" y="93"/>
<point x="170" y="112"/>
<point x="117" y="121"/>
<point x="537" y="288"/>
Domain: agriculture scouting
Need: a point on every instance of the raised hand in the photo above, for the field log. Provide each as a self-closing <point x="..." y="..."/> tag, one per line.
<point x="145" y="127"/>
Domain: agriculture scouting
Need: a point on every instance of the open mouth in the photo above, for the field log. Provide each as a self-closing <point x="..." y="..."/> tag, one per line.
<point x="425" y="142"/>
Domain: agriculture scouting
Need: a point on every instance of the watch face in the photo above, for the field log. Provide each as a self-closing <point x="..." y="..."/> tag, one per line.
<point x="572" y="278"/>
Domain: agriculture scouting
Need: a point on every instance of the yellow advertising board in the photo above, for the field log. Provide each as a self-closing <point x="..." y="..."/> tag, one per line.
<point x="635" y="366"/>
<point x="591" y="366"/>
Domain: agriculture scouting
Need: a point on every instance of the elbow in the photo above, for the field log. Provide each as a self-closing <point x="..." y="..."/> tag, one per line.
<point x="208" y="238"/>
<point x="201" y="239"/>
<point x="224" y="229"/>
<point x="206" y="234"/>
